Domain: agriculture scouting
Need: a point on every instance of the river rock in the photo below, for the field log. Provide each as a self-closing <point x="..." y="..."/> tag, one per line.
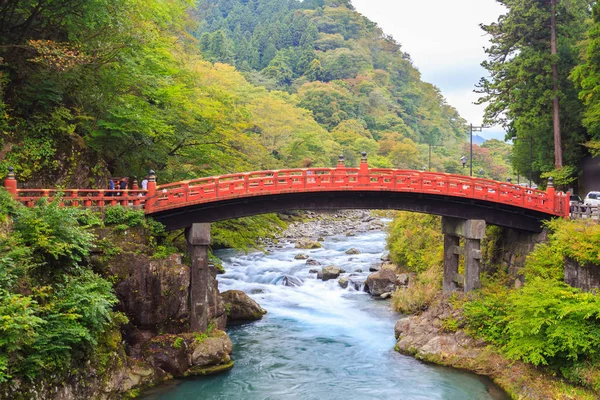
<point x="343" y="282"/>
<point x="402" y="279"/>
<point x="212" y="351"/>
<point x="381" y="282"/>
<point x="240" y="307"/>
<point x="374" y="268"/>
<point x="385" y="257"/>
<point x="312" y="261"/>
<point x="358" y="270"/>
<point x="353" y="251"/>
<point x="305" y="243"/>
<point x="301" y="256"/>
<point x="386" y="295"/>
<point x="330" y="272"/>
<point x="313" y="271"/>
<point x="356" y="283"/>
<point x="288" y="280"/>
<point x="350" y="234"/>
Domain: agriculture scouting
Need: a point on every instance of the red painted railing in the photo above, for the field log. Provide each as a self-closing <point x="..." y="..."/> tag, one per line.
<point x="249" y="184"/>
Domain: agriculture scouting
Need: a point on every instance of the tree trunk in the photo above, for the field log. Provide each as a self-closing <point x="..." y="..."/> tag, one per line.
<point x="556" y="108"/>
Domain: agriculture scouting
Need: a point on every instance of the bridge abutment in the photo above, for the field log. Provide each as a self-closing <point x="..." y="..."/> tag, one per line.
<point x="198" y="240"/>
<point x="472" y="231"/>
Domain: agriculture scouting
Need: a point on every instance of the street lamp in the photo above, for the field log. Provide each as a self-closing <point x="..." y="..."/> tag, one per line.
<point x="530" y="140"/>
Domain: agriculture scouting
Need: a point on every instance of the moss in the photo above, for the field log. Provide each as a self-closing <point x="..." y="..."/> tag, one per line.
<point x="211" y="370"/>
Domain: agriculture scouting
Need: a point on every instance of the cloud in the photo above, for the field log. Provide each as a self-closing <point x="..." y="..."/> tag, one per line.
<point x="444" y="41"/>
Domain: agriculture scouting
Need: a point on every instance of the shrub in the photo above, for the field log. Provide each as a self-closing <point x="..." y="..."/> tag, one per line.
<point x="415" y="241"/>
<point x="420" y="294"/>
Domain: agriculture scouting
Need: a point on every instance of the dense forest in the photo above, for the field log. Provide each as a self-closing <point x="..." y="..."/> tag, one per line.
<point x="99" y="88"/>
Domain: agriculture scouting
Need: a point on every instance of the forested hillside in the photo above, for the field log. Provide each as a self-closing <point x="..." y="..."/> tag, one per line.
<point x="98" y="88"/>
<point x="355" y="80"/>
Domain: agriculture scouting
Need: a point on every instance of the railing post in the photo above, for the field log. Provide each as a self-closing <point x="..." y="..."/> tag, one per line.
<point x="10" y="183"/>
<point x="551" y="194"/>
<point x="134" y="187"/>
<point x="363" y="171"/>
<point x="149" y="204"/>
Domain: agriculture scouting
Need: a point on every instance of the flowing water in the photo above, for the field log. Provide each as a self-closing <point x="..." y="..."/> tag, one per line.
<point x="319" y="341"/>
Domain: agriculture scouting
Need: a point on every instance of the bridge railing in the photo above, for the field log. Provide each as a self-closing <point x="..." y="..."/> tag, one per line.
<point x="284" y="181"/>
<point x="83" y="197"/>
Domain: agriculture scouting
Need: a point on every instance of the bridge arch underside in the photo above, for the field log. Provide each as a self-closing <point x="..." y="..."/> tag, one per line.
<point x="448" y="206"/>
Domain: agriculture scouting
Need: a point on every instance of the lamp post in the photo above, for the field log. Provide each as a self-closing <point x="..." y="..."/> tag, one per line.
<point x="530" y="140"/>
<point x="473" y="129"/>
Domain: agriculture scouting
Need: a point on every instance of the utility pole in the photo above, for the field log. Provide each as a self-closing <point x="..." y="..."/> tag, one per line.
<point x="430" y="146"/>
<point x="558" y="162"/>
<point x="473" y="129"/>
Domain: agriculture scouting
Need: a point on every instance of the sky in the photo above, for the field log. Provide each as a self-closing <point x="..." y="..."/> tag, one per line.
<point x="445" y="43"/>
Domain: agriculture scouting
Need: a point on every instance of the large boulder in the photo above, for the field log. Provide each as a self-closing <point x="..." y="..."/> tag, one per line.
<point x="381" y="282"/>
<point x="212" y="350"/>
<point x="240" y="307"/>
<point x="305" y="243"/>
<point x="190" y="353"/>
<point x="330" y="272"/>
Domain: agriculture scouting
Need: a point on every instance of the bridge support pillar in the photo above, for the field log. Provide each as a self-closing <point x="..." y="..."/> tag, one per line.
<point x="472" y="231"/>
<point x="198" y="240"/>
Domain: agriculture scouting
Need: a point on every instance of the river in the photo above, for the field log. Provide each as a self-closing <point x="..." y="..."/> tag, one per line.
<point x="320" y="341"/>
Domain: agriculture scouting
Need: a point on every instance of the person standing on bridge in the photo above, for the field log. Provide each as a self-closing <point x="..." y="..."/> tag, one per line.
<point x="122" y="186"/>
<point x="111" y="186"/>
<point x="145" y="183"/>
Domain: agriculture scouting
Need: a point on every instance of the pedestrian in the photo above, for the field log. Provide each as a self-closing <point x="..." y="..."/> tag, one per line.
<point x="111" y="187"/>
<point x="122" y="186"/>
<point x="145" y="183"/>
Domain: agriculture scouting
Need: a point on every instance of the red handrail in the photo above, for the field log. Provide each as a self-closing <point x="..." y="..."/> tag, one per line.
<point x="285" y="181"/>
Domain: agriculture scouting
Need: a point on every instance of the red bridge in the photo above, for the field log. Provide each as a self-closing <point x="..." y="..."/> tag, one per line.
<point x="179" y="205"/>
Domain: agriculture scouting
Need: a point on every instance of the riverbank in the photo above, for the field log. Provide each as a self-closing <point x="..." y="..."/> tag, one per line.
<point x="436" y="336"/>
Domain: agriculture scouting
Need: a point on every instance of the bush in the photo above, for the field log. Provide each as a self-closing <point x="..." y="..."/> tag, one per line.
<point x="242" y="233"/>
<point x="415" y="241"/>
<point x="420" y="294"/>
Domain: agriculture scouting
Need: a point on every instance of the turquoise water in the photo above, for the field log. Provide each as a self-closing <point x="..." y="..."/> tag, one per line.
<point x="320" y="341"/>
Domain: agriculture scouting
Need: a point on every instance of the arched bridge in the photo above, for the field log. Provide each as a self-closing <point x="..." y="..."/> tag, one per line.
<point x="466" y="204"/>
<point x="211" y="199"/>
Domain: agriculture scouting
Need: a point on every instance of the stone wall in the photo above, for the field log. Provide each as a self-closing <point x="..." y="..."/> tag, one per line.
<point x="509" y="249"/>
<point x="585" y="277"/>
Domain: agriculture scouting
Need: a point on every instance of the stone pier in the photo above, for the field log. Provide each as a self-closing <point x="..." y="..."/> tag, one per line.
<point x="471" y="231"/>
<point x="198" y="240"/>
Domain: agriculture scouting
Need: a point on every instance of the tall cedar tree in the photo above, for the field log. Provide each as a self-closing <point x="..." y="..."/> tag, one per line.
<point x="519" y="90"/>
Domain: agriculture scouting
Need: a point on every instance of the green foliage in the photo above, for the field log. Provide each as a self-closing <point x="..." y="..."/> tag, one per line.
<point x="415" y="241"/>
<point x="546" y="322"/>
<point x="551" y="323"/>
<point x="519" y="92"/>
<point x="243" y="232"/>
<point x="59" y="243"/>
<point x="53" y="308"/>
<point x="562" y="176"/>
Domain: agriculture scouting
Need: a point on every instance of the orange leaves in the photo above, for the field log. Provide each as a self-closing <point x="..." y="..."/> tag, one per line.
<point x="59" y="56"/>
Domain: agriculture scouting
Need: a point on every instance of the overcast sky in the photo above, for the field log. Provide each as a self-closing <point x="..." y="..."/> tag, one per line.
<point x="445" y="43"/>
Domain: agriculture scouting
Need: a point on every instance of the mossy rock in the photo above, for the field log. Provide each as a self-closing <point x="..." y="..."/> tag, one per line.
<point x="211" y="370"/>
